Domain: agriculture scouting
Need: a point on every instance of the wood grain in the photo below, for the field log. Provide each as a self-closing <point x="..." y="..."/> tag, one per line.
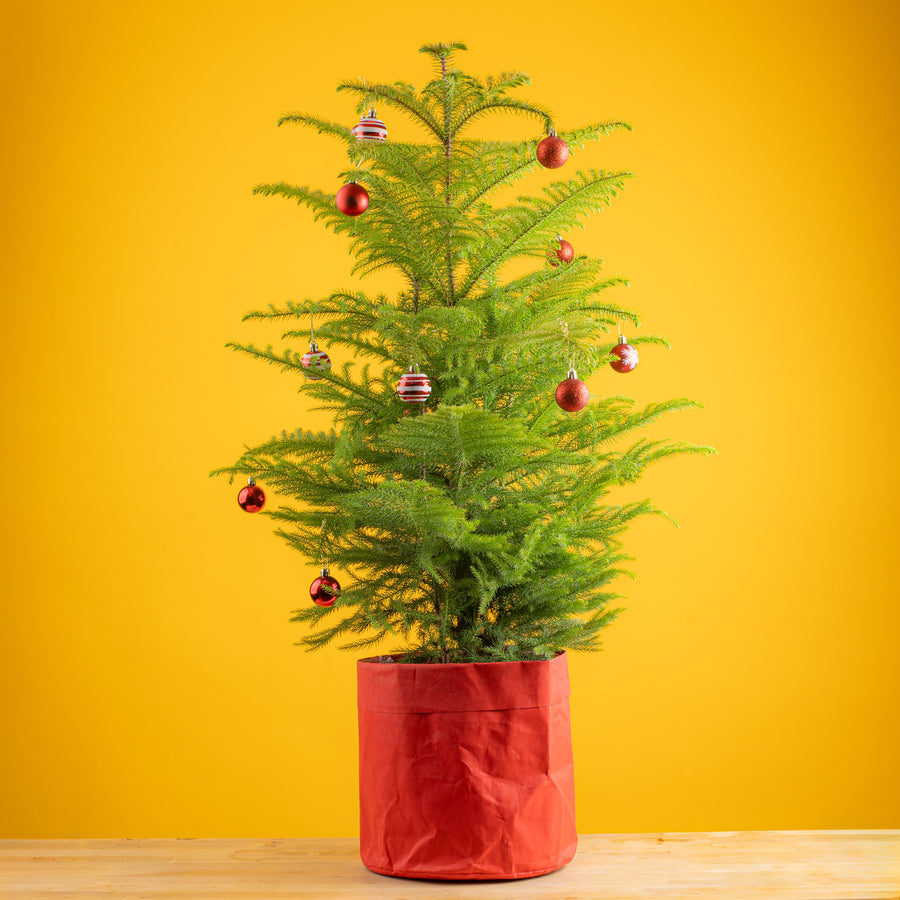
<point x="789" y="865"/>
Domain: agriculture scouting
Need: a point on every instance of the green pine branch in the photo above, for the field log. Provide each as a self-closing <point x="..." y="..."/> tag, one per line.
<point x="322" y="126"/>
<point x="534" y="219"/>
<point x="400" y="96"/>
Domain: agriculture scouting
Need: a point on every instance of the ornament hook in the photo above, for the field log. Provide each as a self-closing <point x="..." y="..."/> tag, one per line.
<point x="570" y="353"/>
<point x="322" y="549"/>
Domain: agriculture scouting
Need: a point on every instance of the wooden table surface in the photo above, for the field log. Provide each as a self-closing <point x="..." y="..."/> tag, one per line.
<point x="744" y="865"/>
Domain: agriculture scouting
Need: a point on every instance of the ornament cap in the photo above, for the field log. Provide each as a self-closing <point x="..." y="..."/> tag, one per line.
<point x="251" y="481"/>
<point x="325" y="572"/>
<point x="572" y="374"/>
<point x="313" y="347"/>
<point x="622" y="338"/>
<point x="551" y="131"/>
<point x="372" y="113"/>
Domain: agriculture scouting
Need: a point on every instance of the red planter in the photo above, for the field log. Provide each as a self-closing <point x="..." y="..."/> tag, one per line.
<point x="465" y="769"/>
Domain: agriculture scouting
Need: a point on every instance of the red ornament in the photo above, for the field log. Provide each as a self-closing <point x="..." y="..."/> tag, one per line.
<point x="324" y="590"/>
<point x="627" y="356"/>
<point x="572" y="394"/>
<point x="552" y="151"/>
<point x="565" y="253"/>
<point x="315" y="360"/>
<point x="414" y="387"/>
<point x="352" y="199"/>
<point x="370" y="128"/>
<point x="251" y="498"/>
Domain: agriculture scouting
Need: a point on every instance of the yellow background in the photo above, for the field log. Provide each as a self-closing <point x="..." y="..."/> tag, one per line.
<point x="150" y="682"/>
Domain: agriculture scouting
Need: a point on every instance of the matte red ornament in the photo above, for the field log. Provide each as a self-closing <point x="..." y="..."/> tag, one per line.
<point x="325" y="589"/>
<point x="572" y="394"/>
<point x="564" y="253"/>
<point x="352" y="199"/>
<point x="627" y="356"/>
<point x="552" y="151"/>
<point x="251" y="498"/>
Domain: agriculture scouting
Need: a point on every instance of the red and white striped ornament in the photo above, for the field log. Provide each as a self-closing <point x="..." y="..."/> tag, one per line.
<point x="627" y="356"/>
<point x="315" y="360"/>
<point x="370" y="128"/>
<point x="414" y="387"/>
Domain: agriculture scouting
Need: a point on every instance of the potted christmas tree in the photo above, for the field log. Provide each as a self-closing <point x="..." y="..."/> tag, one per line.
<point x="458" y="508"/>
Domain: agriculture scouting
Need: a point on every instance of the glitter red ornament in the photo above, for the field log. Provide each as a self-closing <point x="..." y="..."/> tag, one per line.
<point x="564" y="253"/>
<point x="352" y="199"/>
<point x="572" y="394"/>
<point x="413" y="386"/>
<point x="370" y="128"/>
<point x="251" y="498"/>
<point x="627" y="356"/>
<point x="315" y="360"/>
<point x="552" y="151"/>
<point x="324" y="590"/>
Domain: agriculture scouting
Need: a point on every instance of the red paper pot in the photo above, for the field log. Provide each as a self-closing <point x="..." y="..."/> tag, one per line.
<point x="465" y="769"/>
